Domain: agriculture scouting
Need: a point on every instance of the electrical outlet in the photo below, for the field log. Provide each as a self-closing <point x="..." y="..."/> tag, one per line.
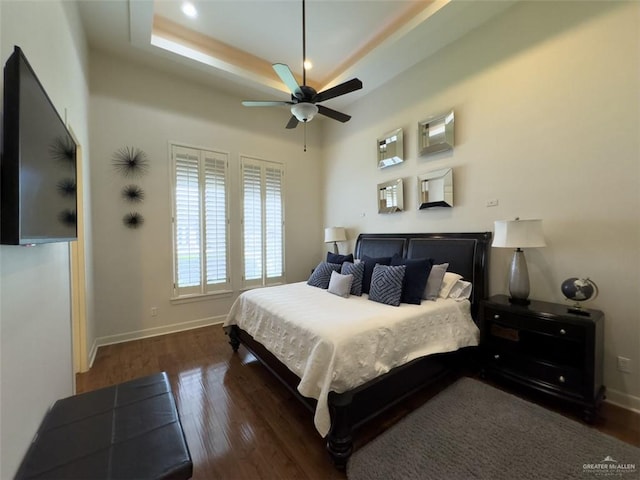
<point x="624" y="364"/>
<point x="154" y="311"/>
<point x="492" y="203"/>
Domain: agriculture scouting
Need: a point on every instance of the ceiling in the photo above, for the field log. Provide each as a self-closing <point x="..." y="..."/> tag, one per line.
<point x="232" y="43"/>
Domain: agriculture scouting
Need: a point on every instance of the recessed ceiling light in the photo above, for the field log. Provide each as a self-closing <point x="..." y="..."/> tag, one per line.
<point x="189" y="10"/>
<point x="308" y="65"/>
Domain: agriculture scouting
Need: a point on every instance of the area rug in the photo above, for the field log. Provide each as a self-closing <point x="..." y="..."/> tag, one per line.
<point x="474" y="431"/>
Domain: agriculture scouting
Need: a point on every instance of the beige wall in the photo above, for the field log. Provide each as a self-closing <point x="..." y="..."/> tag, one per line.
<point x="35" y="325"/>
<point x="546" y="98"/>
<point x="135" y="106"/>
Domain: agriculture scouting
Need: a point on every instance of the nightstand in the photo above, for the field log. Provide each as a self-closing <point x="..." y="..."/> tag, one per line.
<point x="544" y="347"/>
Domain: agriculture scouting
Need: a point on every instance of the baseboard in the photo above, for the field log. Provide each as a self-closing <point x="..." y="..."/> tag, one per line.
<point x="156" y="331"/>
<point x="623" y="400"/>
<point x="92" y="353"/>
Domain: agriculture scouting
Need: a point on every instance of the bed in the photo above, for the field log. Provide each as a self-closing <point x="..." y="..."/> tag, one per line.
<point x="340" y="401"/>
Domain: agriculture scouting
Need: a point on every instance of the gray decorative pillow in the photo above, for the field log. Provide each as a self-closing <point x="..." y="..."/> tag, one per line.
<point x="340" y="284"/>
<point x="322" y="274"/>
<point x="386" y="284"/>
<point x="432" y="290"/>
<point x="357" y="270"/>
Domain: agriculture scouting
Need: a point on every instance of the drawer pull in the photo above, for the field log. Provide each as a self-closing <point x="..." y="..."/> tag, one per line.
<point x="496" y="316"/>
<point x="561" y="378"/>
<point x="496" y="356"/>
<point x="562" y="331"/>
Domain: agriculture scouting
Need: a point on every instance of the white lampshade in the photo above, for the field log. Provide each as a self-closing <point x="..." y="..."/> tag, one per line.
<point x="304" y="111"/>
<point x="334" y="234"/>
<point x="518" y="234"/>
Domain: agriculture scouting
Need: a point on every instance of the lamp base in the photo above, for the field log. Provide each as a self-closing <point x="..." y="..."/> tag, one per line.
<point x="519" y="279"/>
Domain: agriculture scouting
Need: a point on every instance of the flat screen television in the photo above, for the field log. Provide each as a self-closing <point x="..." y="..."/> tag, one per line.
<point x="38" y="164"/>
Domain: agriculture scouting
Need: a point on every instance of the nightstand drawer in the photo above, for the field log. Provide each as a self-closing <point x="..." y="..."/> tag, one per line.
<point x="524" y="322"/>
<point x="566" y="378"/>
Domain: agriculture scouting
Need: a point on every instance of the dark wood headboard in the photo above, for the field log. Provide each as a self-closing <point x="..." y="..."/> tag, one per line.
<point x="466" y="254"/>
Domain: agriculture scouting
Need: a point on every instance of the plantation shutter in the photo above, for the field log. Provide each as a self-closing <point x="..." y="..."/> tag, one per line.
<point x="252" y="223"/>
<point x="187" y="221"/>
<point x="200" y="221"/>
<point x="215" y="200"/>
<point x="274" y="223"/>
<point x="262" y="223"/>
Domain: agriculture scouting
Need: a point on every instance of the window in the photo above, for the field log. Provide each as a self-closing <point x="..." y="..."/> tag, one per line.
<point x="262" y="222"/>
<point x="200" y="221"/>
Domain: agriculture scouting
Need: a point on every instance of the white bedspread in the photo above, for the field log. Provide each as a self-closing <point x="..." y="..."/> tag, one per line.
<point x="336" y="344"/>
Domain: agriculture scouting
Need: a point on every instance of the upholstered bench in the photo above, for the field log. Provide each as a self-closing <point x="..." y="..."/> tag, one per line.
<point x="130" y="430"/>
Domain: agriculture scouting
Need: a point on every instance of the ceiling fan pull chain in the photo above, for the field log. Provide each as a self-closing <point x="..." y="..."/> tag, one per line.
<point x="304" y="125"/>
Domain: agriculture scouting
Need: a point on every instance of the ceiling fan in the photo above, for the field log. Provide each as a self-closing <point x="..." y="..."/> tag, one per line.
<point x="304" y="99"/>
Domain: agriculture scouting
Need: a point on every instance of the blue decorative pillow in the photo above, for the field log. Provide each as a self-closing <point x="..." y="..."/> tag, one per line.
<point x="386" y="284"/>
<point x="357" y="270"/>
<point x="336" y="258"/>
<point x="369" y="264"/>
<point x="415" y="278"/>
<point x="322" y="274"/>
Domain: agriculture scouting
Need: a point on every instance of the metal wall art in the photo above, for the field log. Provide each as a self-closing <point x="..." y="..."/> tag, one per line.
<point x="133" y="220"/>
<point x="133" y="193"/>
<point x="131" y="162"/>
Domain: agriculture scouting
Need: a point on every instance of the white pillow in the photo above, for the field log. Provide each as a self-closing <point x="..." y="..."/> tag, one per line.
<point x="461" y="290"/>
<point x="434" y="282"/>
<point x="340" y="284"/>
<point x="448" y="282"/>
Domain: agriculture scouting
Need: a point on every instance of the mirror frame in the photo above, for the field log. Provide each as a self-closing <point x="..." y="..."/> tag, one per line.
<point x="440" y="183"/>
<point x="390" y="148"/>
<point x="396" y="184"/>
<point x="435" y="134"/>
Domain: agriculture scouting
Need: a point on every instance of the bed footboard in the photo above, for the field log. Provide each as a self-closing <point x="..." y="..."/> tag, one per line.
<point x="351" y="409"/>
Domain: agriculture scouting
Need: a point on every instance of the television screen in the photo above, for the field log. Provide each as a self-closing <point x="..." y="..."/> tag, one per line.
<point x="38" y="166"/>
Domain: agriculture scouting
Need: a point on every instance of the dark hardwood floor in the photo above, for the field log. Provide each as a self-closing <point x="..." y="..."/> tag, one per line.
<point x="240" y="422"/>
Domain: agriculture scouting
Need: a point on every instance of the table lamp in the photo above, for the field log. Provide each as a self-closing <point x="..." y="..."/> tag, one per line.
<point x="335" y="235"/>
<point x="518" y="234"/>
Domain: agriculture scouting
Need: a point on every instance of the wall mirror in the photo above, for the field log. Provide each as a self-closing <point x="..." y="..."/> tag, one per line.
<point x="435" y="134"/>
<point x="390" y="150"/>
<point x="435" y="189"/>
<point x="390" y="196"/>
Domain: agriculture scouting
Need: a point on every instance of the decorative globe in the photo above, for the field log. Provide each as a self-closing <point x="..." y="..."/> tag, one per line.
<point x="579" y="289"/>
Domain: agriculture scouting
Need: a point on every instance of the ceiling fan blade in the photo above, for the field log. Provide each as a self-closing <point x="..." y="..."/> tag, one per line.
<point x="249" y="103"/>
<point x="284" y="72"/>
<point x="346" y="87"/>
<point x="328" y="112"/>
<point x="293" y="122"/>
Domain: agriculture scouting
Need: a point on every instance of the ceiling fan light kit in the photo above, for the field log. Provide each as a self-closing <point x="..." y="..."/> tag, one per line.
<point x="303" y="97"/>
<point x="304" y="111"/>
